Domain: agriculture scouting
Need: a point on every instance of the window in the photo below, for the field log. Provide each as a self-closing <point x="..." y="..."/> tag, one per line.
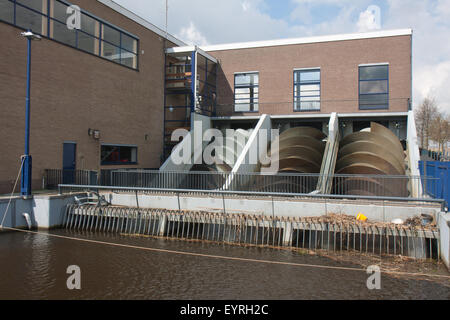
<point x="49" y="19"/>
<point x="7" y="11"/>
<point x="246" y="92"/>
<point x="119" y="47"/>
<point x="31" y="15"/>
<point x="307" y="90"/>
<point x="60" y="32"/>
<point x="118" y="154"/>
<point x="374" y="87"/>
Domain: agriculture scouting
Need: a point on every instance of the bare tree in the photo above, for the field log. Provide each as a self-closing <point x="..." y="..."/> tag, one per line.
<point x="425" y="115"/>
<point x="440" y="130"/>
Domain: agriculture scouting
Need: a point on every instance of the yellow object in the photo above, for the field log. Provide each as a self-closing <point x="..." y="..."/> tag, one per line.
<point x="361" y="217"/>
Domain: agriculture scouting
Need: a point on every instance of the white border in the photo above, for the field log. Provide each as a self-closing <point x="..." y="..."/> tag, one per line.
<point x="119" y="145"/>
<point x="187" y="49"/>
<point x="244" y="72"/>
<point x="373" y="64"/>
<point x="127" y="13"/>
<point x="317" y="115"/>
<point x="318" y="39"/>
<point x="305" y="69"/>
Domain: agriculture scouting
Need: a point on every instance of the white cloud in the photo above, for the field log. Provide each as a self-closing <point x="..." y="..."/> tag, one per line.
<point x="192" y="36"/>
<point x="245" y="6"/>
<point x="432" y="80"/>
<point x="430" y="21"/>
<point x="370" y="19"/>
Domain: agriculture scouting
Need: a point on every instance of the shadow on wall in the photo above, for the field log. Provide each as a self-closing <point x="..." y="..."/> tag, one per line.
<point x="225" y="94"/>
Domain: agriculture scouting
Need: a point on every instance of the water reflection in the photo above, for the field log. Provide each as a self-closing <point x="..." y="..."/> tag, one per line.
<point x="34" y="267"/>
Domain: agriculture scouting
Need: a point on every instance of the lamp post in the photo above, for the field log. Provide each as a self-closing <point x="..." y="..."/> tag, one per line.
<point x="25" y="189"/>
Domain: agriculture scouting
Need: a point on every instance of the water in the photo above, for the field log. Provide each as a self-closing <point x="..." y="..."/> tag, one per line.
<point x="34" y="267"/>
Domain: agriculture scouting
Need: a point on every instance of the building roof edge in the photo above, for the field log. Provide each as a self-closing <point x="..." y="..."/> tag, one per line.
<point x="131" y="15"/>
<point x="306" y="40"/>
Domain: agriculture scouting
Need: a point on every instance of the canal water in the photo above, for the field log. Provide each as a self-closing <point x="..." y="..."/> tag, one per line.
<point x="33" y="266"/>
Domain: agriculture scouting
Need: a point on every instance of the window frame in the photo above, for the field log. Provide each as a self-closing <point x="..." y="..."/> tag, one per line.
<point x="115" y="163"/>
<point x="251" y="98"/>
<point x="375" y="107"/>
<point x="48" y="20"/>
<point x="300" y="83"/>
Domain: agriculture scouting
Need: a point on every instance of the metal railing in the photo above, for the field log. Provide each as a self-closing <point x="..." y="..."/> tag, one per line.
<point x="53" y="177"/>
<point x="226" y="106"/>
<point x="289" y="183"/>
<point x="370" y="185"/>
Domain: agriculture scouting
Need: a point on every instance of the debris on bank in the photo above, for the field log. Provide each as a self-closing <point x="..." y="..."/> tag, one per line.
<point x="424" y="222"/>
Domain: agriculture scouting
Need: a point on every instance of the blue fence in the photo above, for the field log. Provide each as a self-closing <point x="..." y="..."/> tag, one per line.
<point x="439" y="189"/>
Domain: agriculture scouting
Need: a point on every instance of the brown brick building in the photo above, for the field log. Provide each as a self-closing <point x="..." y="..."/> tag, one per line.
<point x="336" y="58"/>
<point x="102" y="94"/>
<point x="77" y="89"/>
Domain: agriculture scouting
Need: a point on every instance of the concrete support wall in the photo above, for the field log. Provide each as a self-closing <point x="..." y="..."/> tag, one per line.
<point x="330" y="155"/>
<point x="244" y="163"/>
<point x="45" y="211"/>
<point x="413" y="155"/>
<point x="444" y="227"/>
<point x="195" y="139"/>
<point x="374" y="210"/>
<point x="248" y="160"/>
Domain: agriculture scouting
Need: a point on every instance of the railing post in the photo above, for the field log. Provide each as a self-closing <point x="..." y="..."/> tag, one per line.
<point x="223" y="199"/>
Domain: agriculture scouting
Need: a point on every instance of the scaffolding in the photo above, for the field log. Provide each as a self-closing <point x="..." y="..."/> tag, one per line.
<point x="190" y="87"/>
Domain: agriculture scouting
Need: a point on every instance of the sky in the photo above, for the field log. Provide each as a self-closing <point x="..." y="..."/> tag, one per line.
<point x="203" y="22"/>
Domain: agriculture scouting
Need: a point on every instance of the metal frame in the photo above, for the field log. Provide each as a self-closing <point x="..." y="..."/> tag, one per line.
<point x="118" y="146"/>
<point x="300" y="83"/>
<point x="372" y="94"/>
<point x="186" y="92"/>
<point x="292" y="183"/>
<point x="251" y="97"/>
<point x="273" y="231"/>
<point x="207" y="84"/>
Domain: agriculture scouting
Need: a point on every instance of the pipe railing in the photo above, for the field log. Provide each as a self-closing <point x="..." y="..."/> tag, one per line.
<point x="342" y="184"/>
<point x="376" y="186"/>
<point x="53" y="177"/>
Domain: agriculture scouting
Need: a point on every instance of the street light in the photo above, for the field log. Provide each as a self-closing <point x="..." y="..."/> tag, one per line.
<point x="25" y="189"/>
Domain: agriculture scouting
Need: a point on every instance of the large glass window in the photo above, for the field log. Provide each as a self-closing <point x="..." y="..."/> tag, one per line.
<point x="307" y="90"/>
<point x="129" y="43"/>
<point x="246" y="92"/>
<point x="49" y="18"/>
<point x="110" y="52"/>
<point x="87" y="43"/>
<point x="111" y="35"/>
<point x="114" y="155"/>
<point x="7" y="11"/>
<point x="31" y="15"/>
<point x="374" y="87"/>
<point x="37" y="5"/>
<point x="60" y="32"/>
<point x="89" y="25"/>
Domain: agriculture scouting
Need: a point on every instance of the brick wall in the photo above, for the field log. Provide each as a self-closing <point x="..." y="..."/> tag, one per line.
<point x="338" y="60"/>
<point x="73" y="91"/>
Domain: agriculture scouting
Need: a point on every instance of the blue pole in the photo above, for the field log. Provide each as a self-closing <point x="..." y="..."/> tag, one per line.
<point x="27" y="161"/>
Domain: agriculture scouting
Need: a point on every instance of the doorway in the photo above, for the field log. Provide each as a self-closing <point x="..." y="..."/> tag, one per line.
<point x="69" y="162"/>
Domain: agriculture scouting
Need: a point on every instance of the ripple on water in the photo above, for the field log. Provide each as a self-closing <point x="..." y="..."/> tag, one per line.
<point x="36" y="268"/>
